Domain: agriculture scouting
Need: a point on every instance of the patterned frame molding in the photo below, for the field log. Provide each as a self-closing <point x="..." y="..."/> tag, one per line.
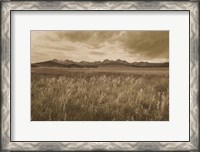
<point x="8" y="6"/>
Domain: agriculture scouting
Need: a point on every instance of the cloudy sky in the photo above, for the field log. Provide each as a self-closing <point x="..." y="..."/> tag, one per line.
<point x="132" y="46"/>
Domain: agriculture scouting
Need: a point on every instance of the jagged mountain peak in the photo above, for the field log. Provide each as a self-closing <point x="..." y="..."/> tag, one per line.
<point x="95" y="64"/>
<point x="55" y="60"/>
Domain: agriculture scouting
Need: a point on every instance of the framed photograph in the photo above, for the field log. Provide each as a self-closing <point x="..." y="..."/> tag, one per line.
<point x="115" y="75"/>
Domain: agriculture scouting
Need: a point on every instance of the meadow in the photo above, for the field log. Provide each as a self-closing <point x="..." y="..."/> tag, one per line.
<point x="73" y="94"/>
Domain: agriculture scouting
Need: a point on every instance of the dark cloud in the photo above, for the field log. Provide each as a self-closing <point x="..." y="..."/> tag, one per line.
<point x="105" y="36"/>
<point x="94" y="39"/>
<point x="100" y="38"/>
<point x="98" y="45"/>
<point x="147" y="44"/>
<point x="82" y="36"/>
<point x="150" y="45"/>
<point x="74" y="36"/>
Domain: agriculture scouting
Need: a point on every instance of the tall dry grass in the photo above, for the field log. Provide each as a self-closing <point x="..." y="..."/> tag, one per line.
<point x="101" y="96"/>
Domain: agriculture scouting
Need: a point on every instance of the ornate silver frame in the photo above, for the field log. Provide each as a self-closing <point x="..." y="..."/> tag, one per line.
<point x="8" y="6"/>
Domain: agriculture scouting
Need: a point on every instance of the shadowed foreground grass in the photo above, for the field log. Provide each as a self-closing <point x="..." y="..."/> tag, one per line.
<point x="100" y="96"/>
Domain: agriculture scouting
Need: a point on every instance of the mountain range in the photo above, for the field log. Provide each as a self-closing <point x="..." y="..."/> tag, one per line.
<point x="96" y="64"/>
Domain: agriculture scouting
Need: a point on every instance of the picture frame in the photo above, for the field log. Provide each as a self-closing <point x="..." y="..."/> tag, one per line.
<point x="8" y="7"/>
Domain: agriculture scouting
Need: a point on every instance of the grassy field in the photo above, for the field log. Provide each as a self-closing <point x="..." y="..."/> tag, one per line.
<point x="64" y="94"/>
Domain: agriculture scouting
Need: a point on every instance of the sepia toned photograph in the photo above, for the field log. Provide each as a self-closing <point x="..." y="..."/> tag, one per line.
<point x="99" y="75"/>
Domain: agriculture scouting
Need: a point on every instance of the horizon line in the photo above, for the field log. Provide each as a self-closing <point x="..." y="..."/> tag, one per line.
<point x="98" y="61"/>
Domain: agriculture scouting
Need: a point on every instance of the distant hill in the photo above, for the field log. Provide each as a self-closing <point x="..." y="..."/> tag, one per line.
<point x="96" y="64"/>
